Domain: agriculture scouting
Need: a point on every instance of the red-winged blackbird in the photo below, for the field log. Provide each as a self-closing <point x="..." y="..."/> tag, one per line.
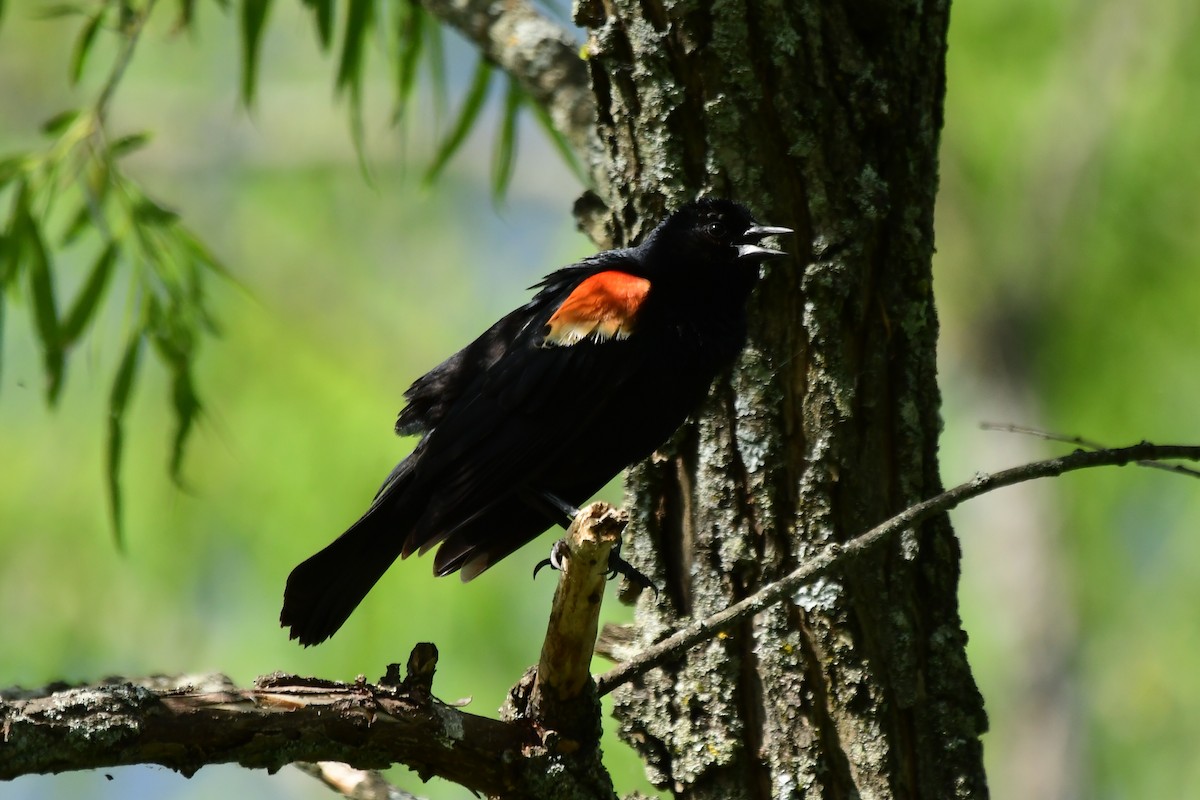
<point x="543" y="409"/>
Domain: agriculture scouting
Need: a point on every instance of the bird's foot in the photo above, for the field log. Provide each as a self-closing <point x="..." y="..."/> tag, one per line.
<point x="559" y="552"/>
<point x="619" y="566"/>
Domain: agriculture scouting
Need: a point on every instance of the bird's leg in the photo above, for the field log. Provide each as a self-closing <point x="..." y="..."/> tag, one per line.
<point x="559" y="506"/>
<point x="559" y="550"/>
<point x="619" y="566"/>
<point x="564" y="514"/>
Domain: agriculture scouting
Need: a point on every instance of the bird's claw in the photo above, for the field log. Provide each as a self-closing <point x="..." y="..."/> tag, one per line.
<point x="619" y="566"/>
<point x="559" y="552"/>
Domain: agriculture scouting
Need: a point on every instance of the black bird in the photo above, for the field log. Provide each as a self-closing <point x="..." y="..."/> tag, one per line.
<point x="537" y="414"/>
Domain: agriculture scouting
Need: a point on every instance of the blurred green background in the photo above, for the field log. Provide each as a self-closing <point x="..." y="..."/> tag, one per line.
<point x="1068" y="229"/>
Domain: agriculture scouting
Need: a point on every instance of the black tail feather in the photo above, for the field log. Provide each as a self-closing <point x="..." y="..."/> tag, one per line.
<point x="323" y="590"/>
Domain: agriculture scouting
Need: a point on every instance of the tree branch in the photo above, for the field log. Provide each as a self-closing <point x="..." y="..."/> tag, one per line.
<point x="837" y="555"/>
<point x="547" y="745"/>
<point x="563" y="697"/>
<point x="540" y="54"/>
<point x="187" y="722"/>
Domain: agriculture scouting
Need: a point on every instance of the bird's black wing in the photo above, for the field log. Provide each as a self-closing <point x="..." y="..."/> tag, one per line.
<point x="510" y="427"/>
<point x="432" y="395"/>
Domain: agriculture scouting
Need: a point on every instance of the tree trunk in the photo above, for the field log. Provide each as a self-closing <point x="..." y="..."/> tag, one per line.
<point x="825" y="118"/>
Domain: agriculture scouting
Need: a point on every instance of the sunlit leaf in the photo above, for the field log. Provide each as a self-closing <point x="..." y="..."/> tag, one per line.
<point x="323" y="17"/>
<point x="472" y="105"/>
<point x="254" y="17"/>
<point x="83" y="44"/>
<point x="117" y="404"/>
<point x="127" y="144"/>
<point x="41" y="288"/>
<point x="504" y="157"/>
<point x="83" y="310"/>
<point x="59" y="122"/>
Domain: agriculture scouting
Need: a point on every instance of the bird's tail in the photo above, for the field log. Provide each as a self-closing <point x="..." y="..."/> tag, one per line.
<point x="324" y="589"/>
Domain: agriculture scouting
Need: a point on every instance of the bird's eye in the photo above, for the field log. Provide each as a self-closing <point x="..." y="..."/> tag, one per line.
<point x="717" y="230"/>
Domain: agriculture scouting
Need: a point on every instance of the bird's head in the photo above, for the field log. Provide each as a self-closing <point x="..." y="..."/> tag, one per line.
<point x="711" y="234"/>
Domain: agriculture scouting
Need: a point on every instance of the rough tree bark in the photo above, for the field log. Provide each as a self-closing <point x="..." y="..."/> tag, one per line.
<point x="825" y="118"/>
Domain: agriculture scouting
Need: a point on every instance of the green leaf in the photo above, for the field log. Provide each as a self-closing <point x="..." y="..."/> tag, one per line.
<point x="83" y="45"/>
<point x="11" y="167"/>
<point x="349" y="77"/>
<point x="90" y="213"/>
<point x="187" y="13"/>
<point x="1" y="321"/>
<point x="323" y="17"/>
<point x="504" y="158"/>
<point x="358" y="23"/>
<point x="254" y="17"/>
<point x="148" y="212"/>
<point x="128" y="144"/>
<point x="45" y="314"/>
<point x="83" y="310"/>
<point x="78" y="224"/>
<point x="59" y="10"/>
<point x="117" y="403"/>
<point x="10" y="254"/>
<point x="472" y="105"/>
<point x="409" y="41"/>
<point x="187" y="407"/>
<point x="559" y="141"/>
<point x="59" y="122"/>
<point x="200" y="253"/>
<point x="437" y="64"/>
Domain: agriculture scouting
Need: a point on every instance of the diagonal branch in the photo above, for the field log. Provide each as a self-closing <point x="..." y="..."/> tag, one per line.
<point x="838" y="555"/>
<point x="539" y="53"/>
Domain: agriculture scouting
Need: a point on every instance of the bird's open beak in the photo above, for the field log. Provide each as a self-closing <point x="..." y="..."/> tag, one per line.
<point x="754" y="252"/>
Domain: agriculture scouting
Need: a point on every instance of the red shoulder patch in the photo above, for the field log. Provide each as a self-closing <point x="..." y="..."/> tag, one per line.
<point x="602" y="307"/>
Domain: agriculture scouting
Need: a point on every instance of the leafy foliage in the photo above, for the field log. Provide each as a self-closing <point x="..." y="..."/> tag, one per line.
<point x="410" y="36"/>
<point x="132" y="236"/>
<point x="72" y="195"/>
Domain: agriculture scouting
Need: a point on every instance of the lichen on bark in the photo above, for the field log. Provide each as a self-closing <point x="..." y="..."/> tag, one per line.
<point x="824" y="118"/>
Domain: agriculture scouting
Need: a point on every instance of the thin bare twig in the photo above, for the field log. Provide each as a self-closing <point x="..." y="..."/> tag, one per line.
<point x="836" y="555"/>
<point x="1079" y="441"/>
<point x="542" y="55"/>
